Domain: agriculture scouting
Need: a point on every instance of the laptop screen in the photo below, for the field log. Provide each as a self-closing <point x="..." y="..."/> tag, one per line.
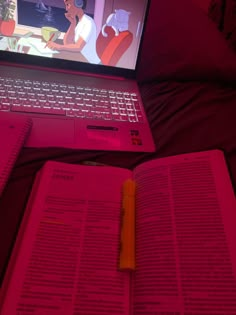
<point x="78" y="34"/>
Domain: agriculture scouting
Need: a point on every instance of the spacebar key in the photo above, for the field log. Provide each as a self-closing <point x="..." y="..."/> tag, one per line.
<point x="38" y="110"/>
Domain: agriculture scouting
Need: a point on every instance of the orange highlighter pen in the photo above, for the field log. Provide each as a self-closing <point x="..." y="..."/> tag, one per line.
<point x="127" y="248"/>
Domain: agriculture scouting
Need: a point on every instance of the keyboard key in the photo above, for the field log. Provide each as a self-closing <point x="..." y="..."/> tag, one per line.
<point x="140" y="118"/>
<point x="123" y="111"/>
<point x="133" y="119"/>
<point x="70" y="113"/>
<point x="39" y="110"/>
<point x="136" y="105"/>
<point x="4" y="107"/>
<point x="107" y="116"/>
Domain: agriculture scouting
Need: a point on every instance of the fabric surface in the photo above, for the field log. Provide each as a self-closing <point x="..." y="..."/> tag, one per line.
<point x="182" y="43"/>
<point x="203" y="4"/>
<point x="223" y="13"/>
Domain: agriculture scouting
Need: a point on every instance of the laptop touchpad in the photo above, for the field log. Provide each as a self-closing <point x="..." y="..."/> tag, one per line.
<point x="51" y="132"/>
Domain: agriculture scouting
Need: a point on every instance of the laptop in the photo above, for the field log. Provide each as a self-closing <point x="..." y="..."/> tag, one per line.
<point x="70" y="65"/>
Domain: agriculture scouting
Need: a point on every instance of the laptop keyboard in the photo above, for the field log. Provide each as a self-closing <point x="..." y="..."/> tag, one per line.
<point x="43" y="97"/>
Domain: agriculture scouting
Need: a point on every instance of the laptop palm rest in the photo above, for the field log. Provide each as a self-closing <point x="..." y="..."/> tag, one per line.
<point x="54" y="132"/>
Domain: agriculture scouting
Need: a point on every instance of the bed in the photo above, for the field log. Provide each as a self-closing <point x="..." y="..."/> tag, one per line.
<point x="187" y="76"/>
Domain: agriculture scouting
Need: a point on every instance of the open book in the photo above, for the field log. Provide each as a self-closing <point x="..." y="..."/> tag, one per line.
<point x="65" y="260"/>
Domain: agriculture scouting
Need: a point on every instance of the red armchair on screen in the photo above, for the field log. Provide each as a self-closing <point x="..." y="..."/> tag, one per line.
<point x="111" y="48"/>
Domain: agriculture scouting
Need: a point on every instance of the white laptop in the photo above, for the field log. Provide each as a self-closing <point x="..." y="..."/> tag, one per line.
<point x="70" y="65"/>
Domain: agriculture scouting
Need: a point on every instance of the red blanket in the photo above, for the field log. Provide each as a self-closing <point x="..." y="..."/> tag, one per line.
<point x="188" y="82"/>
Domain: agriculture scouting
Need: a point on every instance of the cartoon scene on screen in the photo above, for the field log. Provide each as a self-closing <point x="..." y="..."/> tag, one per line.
<point x="94" y="31"/>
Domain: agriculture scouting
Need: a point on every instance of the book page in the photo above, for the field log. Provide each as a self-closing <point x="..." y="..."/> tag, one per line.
<point x="14" y="131"/>
<point x="186" y="236"/>
<point x="68" y="259"/>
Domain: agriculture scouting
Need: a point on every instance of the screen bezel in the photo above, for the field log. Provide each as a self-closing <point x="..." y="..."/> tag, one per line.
<point x="61" y="65"/>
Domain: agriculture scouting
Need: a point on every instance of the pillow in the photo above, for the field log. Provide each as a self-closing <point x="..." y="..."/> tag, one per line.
<point x="182" y="43"/>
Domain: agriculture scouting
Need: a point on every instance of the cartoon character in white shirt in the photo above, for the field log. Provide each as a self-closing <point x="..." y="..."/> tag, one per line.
<point x="81" y="35"/>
